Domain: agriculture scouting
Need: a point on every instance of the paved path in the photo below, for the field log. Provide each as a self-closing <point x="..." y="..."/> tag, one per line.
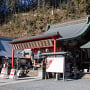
<point x="49" y="85"/>
<point x="16" y="81"/>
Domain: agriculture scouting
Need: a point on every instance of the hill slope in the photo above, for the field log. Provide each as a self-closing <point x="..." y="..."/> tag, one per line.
<point x="34" y="22"/>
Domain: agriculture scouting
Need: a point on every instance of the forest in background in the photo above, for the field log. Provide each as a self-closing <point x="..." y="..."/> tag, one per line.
<point x="28" y="20"/>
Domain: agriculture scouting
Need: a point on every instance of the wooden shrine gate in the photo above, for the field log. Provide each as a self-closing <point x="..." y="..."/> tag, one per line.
<point x="34" y="42"/>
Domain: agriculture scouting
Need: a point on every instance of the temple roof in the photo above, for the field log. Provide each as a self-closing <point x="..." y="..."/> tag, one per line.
<point x="36" y="38"/>
<point x="70" y="30"/>
<point x="5" y="47"/>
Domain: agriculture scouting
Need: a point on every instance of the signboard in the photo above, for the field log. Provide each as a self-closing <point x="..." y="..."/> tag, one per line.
<point x="55" y="64"/>
<point x="4" y="73"/>
<point x="12" y="73"/>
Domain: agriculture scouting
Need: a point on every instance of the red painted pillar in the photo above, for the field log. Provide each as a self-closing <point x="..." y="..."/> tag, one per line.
<point x="54" y="46"/>
<point x="12" y="58"/>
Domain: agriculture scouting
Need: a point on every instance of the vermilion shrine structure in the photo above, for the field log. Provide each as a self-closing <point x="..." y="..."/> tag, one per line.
<point x="66" y="36"/>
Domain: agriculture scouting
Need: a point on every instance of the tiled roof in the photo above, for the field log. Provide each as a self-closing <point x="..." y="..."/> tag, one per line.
<point x="6" y="47"/>
<point x="70" y="30"/>
<point x="38" y="37"/>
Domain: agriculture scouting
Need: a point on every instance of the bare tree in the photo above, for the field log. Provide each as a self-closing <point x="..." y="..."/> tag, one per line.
<point x="12" y="2"/>
<point x="43" y="1"/>
<point x="38" y="3"/>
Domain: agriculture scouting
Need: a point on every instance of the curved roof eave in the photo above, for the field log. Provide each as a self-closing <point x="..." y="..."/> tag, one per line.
<point x="70" y="30"/>
<point x="38" y="37"/>
<point x="79" y="35"/>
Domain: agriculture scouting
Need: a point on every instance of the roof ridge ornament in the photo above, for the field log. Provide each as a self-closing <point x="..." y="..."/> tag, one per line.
<point x="48" y="27"/>
<point x="88" y="19"/>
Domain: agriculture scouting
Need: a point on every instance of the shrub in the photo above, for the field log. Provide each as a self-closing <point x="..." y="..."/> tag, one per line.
<point x="41" y="27"/>
<point x="30" y="30"/>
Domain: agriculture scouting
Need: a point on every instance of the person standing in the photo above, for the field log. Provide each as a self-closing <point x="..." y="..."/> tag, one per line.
<point x="31" y="54"/>
<point x="0" y="67"/>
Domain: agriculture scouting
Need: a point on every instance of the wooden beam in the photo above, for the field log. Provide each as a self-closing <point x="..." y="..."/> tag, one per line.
<point x="34" y="44"/>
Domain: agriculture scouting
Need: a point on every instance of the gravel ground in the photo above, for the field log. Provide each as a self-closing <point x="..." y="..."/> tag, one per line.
<point x="49" y="85"/>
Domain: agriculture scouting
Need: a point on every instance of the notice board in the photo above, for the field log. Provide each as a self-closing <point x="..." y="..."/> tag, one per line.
<point x="55" y="64"/>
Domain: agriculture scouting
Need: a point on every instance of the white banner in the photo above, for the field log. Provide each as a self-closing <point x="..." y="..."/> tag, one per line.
<point x="55" y="64"/>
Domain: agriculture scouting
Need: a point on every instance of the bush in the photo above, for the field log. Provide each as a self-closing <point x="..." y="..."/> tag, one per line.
<point x="30" y="23"/>
<point x="30" y="30"/>
<point x="41" y="27"/>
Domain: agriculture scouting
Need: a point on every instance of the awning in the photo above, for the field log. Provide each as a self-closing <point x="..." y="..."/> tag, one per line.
<point x="57" y="53"/>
